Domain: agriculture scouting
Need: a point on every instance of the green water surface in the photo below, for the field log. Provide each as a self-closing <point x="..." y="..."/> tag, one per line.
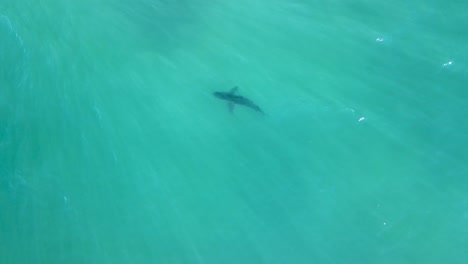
<point x="113" y="149"/>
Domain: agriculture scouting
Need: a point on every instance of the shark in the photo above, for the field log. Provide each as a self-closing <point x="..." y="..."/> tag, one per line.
<point x="233" y="98"/>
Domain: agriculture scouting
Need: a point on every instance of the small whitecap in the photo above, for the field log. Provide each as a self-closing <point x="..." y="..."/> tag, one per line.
<point x="361" y="119"/>
<point x="447" y="64"/>
<point x="379" y="39"/>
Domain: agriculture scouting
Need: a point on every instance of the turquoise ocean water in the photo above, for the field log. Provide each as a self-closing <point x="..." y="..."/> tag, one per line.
<point x="113" y="149"/>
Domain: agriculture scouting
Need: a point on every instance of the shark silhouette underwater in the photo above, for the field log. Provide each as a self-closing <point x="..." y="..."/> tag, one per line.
<point x="232" y="98"/>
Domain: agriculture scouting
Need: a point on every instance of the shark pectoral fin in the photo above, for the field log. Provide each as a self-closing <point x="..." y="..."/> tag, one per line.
<point x="233" y="90"/>
<point x="231" y="107"/>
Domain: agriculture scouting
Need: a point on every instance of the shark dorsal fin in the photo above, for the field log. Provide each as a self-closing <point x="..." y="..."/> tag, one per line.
<point x="233" y="90"/>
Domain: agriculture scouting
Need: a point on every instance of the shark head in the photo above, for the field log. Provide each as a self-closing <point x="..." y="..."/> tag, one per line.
<point x="220" y="95"/>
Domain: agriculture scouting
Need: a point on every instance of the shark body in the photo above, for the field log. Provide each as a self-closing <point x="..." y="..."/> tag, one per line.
<point x="232" y="98"/>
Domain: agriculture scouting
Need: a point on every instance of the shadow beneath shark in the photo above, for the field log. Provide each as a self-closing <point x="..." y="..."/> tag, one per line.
<point x="232" y="98"/>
